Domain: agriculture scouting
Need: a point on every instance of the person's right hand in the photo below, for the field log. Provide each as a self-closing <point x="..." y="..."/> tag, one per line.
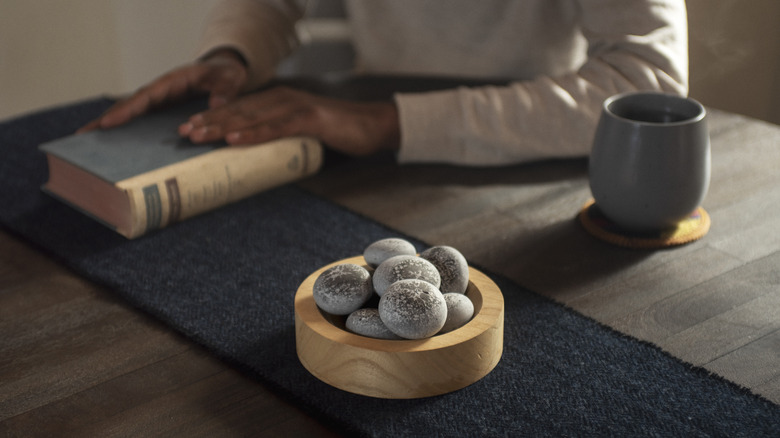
<point x="221" y="75"/>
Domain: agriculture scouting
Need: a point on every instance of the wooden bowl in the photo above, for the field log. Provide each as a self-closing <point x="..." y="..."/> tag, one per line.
<point x="400" y="369"/>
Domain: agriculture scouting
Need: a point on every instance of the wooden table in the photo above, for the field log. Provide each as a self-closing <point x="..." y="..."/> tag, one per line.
<point x="74" y="360"/>
<point x="714" y="303"/>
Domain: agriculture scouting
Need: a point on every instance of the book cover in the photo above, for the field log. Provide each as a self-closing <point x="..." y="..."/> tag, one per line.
<point x="142" y="176"/>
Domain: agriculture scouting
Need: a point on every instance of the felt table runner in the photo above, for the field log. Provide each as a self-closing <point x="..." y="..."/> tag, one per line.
<point x="227" y="279"/>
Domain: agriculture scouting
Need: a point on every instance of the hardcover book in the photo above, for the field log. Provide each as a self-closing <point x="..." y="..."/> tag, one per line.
<point x="142" y="176"/>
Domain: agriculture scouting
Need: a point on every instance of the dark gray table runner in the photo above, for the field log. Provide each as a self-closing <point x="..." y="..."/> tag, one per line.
<point x="227" y="280"/>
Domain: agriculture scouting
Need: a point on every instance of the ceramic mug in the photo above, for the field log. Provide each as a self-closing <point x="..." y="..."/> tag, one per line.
<point x="649" y="167"/>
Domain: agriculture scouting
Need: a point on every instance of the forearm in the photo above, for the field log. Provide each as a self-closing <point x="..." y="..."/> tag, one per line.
<point x="551" y="117"/>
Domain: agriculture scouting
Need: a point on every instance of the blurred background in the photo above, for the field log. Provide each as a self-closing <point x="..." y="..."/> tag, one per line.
<point x="60" y="51"/>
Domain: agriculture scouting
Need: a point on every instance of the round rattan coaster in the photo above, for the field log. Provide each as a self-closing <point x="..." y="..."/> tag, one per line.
<point x="689" y="230"/>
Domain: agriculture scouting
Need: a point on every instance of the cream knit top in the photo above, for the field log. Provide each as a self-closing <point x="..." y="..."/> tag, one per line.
<point x="563" y="58"/>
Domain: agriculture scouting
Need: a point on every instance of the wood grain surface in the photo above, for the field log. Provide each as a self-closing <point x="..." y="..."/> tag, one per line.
<point x="76" y="361"/>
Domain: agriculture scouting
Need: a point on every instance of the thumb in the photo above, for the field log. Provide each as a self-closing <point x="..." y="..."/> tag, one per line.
<point x="217" y="100"/>
<point x="226" y="88"/>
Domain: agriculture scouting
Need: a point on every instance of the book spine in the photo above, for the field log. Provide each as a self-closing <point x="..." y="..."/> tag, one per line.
<point x="225" y="175"/>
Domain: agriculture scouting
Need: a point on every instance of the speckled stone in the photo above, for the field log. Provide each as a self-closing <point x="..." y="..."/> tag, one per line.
<point x="452" y="267"/>
<point x="381" y="250"/>
<point x="460" y="309"/>
<point x="404" y="267"/>
<point x="366" y="322"/>
<point x="342" y="289"/>
<point x="413" y="309"/>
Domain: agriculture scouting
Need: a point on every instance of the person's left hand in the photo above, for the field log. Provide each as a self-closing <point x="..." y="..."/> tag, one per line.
<point x="353" y="128"/>
<point x="221" y="75"/>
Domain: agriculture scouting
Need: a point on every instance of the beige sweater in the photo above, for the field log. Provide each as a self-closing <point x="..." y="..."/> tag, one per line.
<point x="564" y="58"/>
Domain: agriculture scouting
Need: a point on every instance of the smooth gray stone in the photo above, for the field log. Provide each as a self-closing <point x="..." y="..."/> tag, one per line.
<point x="342" y="289"/>
<point x="413" y="309"/>
<point x="452" y="267"/>
<point x="404" y="267"/>
<point x="381" y="250"/>
<point x="366" y="322"/>
<point x="460" y="309"/>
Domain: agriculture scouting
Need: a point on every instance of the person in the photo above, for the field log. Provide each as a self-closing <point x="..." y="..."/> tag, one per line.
<point x="562" y="57"/>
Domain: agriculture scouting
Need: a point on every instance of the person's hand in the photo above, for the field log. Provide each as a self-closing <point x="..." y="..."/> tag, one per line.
<point x="222" y="75"/>
<point x="354" y="128"/>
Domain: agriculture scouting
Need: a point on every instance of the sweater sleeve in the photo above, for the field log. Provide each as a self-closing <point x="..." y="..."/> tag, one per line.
<point x="262" y="31"/>
<point x="632" y="45"/>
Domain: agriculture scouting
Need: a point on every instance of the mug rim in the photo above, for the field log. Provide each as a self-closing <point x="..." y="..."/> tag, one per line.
<point x="696" y="110"/>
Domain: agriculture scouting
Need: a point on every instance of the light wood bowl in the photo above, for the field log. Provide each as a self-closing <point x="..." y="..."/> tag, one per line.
<point x="404" y="368"/>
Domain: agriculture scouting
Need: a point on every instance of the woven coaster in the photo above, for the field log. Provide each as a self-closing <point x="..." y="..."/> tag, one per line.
<point x="689" y="230"/>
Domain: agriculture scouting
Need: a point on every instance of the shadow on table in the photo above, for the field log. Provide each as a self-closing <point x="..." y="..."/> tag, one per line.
<point x="562" y="260"/>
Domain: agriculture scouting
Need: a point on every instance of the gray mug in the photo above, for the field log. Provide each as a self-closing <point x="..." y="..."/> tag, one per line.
<point x="649" y="167"/>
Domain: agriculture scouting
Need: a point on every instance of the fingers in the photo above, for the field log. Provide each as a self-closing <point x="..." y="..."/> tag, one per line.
<point x="116" y="115"/>
<point x="165" y="89"/>
<point x="279" y="112"/>
<point x="267" y="132"/>
<point x="244" y="128"/>
<point x="127" y="110"/>
<point x="223" y="79"/>
<point x="91" y="126"/>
